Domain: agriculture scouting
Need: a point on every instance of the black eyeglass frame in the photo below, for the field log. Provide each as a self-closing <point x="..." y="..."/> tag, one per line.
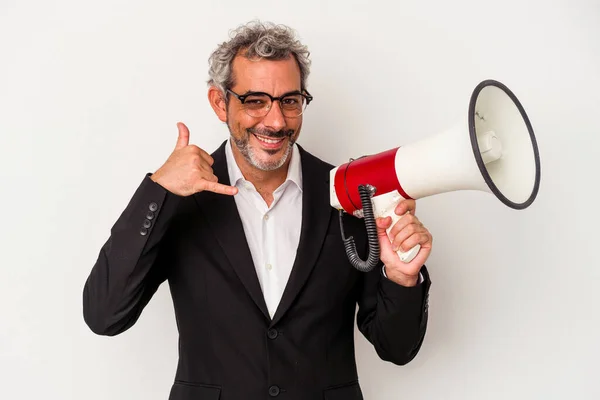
<point x="304" y="93"/>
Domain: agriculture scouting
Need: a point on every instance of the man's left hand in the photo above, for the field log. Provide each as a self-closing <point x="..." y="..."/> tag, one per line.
<point x="406" y="233"/>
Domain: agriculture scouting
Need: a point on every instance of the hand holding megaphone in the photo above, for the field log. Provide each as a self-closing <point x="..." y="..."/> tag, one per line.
<point x="405" y="244"/>
<point x="404" y="230"/>
<point x="188" y="169"/>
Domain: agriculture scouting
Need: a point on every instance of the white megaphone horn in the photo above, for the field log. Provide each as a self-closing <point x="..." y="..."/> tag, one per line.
<point x="495" y="151"/>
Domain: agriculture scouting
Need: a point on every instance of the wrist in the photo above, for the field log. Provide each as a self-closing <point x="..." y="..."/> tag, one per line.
<point x="401" y="278"/>
<point x="155" y="176"/>
<point x="158" y="178"/>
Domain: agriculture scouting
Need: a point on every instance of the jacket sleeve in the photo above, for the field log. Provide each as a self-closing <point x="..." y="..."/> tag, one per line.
<point x="129" y="268"/>
<point x="392" y="317"/>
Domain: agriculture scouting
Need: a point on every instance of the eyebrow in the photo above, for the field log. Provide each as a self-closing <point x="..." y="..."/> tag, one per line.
<point x="250" y="91"/>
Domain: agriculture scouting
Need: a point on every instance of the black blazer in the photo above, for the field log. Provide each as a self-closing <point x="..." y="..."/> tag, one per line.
<point x="229" y="347"/>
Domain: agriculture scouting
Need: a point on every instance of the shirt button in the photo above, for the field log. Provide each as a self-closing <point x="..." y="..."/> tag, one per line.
<point x="266" y="217"/>
<point x="274" y="391"/>
<point x="269" y="267"/>
<point x="272" y="333"/>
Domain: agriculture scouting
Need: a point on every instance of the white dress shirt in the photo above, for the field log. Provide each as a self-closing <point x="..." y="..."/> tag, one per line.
<point x="273" y="233"/>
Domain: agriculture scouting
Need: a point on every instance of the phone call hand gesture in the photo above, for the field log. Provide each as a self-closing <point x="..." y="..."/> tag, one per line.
<point x="188" y="169"/>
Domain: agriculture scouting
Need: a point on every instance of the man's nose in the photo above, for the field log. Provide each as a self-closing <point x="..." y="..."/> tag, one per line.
<point x="274" y="118"/>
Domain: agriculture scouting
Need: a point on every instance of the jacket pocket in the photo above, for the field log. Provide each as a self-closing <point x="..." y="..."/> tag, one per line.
<point x="194" y="391"/>
<point x="347" y="391"/>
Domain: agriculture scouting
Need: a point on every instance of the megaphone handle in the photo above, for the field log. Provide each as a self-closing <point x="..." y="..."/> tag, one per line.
<point x="410" y="254"/>
<point x="383" y="206"/>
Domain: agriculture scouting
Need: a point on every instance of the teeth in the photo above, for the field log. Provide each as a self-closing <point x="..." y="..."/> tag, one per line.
<point x="271" y="141"/>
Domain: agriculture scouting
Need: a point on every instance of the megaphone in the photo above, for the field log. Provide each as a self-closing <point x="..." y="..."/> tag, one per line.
<point x="495" y="151"/>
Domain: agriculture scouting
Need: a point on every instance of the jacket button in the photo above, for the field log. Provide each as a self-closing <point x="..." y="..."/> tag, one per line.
<point x="147" y="223"/>
<point x="272" y="333"/>
<point x="143" y="231"/>
<point x="153" y="207"/>
<point x="274" y="391"/>
<point x="150" y="215"/>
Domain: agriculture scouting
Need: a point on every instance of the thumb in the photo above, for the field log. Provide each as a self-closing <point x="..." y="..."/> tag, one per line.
<point x="184" y="136"/>
<point x="385" y="244"/>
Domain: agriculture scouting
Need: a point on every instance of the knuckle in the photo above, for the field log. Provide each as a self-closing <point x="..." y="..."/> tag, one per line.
<point x="393" y="232"/>
<point x="196" y="170"/>
<point x="194" y="158"/>
<point x="410" y="242"/>
<point x="426" y="238"/>
<point x="200" y="185"/>
<point x="405" y="244"/>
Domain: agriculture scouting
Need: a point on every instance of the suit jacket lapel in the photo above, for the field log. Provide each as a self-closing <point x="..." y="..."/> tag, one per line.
<point x="222" y="214"/>
<point x="316" y="213"/>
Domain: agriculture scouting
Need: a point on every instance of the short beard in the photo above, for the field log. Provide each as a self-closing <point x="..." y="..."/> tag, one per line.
<point x="243" y="145"/>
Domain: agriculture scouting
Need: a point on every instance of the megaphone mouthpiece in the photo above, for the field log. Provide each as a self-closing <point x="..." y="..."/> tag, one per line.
<point x="490" y="147"/>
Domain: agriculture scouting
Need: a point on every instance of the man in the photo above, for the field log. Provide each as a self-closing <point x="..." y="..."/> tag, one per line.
<point x="263" y="292"/>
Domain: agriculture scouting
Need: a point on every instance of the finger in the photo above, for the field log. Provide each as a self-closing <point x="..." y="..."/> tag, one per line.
<point x="428" y="243"/>
<point x="203" y="154"/>
<point x="211" y="177"/>
<point x="216" y="187"/>
<point x="407" y="205"/>
<point x="421" y="238"/>
<point x="385" y="245"/>
<point x="204" y="167"/>
<point x="184" y="136"/>
<point x="207" y="175"/>
<point x="403" y="222"/>
<point x="399" y="240"/>
<point x="383" y="224"/>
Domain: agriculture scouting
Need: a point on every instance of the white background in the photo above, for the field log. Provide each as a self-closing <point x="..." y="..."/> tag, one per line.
<point x="90" y="93"/>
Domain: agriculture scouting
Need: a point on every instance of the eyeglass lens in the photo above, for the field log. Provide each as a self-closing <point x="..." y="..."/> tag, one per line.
<point x="291" y="105"/>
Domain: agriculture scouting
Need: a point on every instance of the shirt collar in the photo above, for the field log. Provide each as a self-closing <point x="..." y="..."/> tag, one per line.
<point x="294" y="170"/>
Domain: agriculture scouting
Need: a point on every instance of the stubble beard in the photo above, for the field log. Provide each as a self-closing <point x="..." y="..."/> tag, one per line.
<point x="250" y="153"/>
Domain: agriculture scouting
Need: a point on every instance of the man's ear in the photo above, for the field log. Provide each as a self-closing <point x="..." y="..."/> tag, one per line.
<point x="217" y="102"/>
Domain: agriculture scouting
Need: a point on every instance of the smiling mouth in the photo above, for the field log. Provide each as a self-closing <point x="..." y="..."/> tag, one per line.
<point x="268" y="140"/>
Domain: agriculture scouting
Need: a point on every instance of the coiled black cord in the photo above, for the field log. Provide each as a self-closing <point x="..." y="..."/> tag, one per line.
<point x="371" y="226"/>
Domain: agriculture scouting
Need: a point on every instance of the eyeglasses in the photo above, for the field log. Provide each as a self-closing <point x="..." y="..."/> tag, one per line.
<point x="258" y="104"/>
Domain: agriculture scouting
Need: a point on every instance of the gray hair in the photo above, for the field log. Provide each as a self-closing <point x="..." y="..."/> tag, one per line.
<point x="257" y="40"/>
